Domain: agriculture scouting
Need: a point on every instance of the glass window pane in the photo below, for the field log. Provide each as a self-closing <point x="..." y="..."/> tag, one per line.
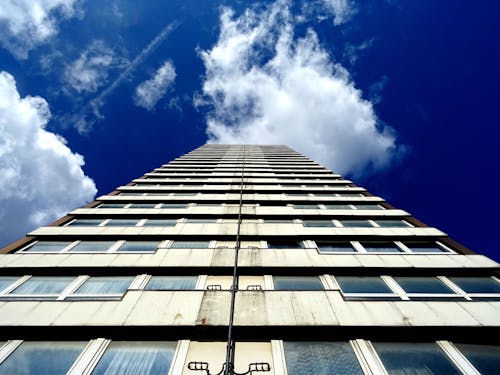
<point x="477" y="284"/>
<point x="43" y="285"/>
<point x="318" y="223"/>
<point x="485" y="358"/>
<point x="49" y="246"/>
<point x="283" y="244"/>
<point x="335" y="247"/>
<point x="190" y="245"/>
<point x="112" y="205"/>
<point x="160" y="223"/>
<point x="143" y="205"/>
<point x="320" y="358"/>
<point x="42" y="357"/>
<point x="306" y="206"/>
<point x="368" y="207"/>
<point x="338" y="207"/>
<point x="105" y="285"/>
<point x="381" y="247"/>
<point x="5" y="281"/>
<point x="297" y="283"/>
<point x="278" y="221"/>
<point x="141" y="246"/>
<point x="414" y="359"/>
<point x="424" y="247"/>
<point x="85" y="223"/>
<point x="136" y="358"/>
<point x="92" y="246"/>
<point x="130" y="193"/>
<point x="356" y="223"/>
<point x="171" y="282"/>
<point x="122" y="223"/>
<point x="362" y="284"/>
<point x="430" y="285"/>
<point x="201" y="221"/>
<point x="392" y="223"/>
<point x="189" y="194"/>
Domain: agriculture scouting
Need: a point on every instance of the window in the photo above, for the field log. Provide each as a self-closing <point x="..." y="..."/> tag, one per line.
<point x="5" y="281"/>
<point x="365" y="287"/>
<point x="172" y="205"/>
<point x="187" y="194"/>
<point x="297" y="283"/>
<point x="306" y="206"/>
<point x="284" y="244"/>
<point x="92" y="246"/>
<point x="143" y="205"/>
<point x="338" y="207"/>
<point x="278" y="221"/>
<point x="317" y="223"/>
<point x="112" y="205"/>
<point x="45" y="287"/>
<point x="139" y="246"/>
<point x="126" y="193"/>
<point x="160" y="223"/>
<point x="42" y="357"/>
<point x="321" y="358"/>
<point x="102" y="286"/>
<point x="171" y="283"/>
<point x="85" y="223"/>
<point x="335" y="247"/>
<point x="424" y="247"/>
<point x="485" y="358"/>
<point x="356" y="223"/>
<point x="122" y="223"/>
<point x="190" y="245"/>
<point x="138" y="358"/>
<point x="477" y="284"/>
<point x="48" y="246"/>
<point x="422" y="287"/>
<point x="414" y="358"/>
<point x="381" y="247"/>
<point x="392" y="223"/>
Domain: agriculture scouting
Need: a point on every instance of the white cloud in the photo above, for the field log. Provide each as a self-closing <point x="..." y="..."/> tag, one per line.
<point x="149" y="92"/>
<point x="25" y="24"/>
<point x="40" y="177"/>
<point x="90" y="70"/>
<point x="342" y="10"/>
<point x="263" y="85"/>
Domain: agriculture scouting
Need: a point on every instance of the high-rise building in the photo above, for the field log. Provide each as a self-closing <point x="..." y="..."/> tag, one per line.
<point x="248" y="256"/>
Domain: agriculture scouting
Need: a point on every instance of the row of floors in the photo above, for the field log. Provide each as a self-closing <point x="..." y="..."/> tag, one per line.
<point x="277" y="357"/>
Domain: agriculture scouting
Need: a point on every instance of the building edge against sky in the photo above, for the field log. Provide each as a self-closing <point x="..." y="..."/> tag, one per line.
<point x="329" y="278"/>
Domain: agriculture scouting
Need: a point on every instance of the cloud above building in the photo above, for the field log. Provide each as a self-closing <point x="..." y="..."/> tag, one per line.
<point x="25" y="24"/>
<point x="149" y="92"/>
<point x="264" y="84"/>
<point x="40" y="177"/>
<point x="91" y="69"/>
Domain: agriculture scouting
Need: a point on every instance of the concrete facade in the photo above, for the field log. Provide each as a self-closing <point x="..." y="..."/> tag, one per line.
<point x="326" y="276"/>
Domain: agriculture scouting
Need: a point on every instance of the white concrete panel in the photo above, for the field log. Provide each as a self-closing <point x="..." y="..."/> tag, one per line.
<point x="170" y="308"/>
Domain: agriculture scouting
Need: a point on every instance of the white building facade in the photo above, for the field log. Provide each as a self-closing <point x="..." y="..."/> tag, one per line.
<point x="245" y="259"/>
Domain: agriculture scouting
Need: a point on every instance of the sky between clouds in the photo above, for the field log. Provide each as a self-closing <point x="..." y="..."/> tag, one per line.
<point x="93" y="78"/>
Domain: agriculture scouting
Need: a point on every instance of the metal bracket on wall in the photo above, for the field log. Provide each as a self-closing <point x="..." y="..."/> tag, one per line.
<point x="252" y="368"/>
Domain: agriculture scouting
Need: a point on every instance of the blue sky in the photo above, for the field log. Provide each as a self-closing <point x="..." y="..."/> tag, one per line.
<point x="400" y="96"/>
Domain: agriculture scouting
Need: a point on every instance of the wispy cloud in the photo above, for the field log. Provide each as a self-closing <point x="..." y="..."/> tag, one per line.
<point x="25" y="24"/>
<point x="149" y="92"/>
<point x="351" y="50"/>
<point x="264" y="85"/>
<point x="40" y="177"/>
<point x="342" y="10"/>
<point x="90" y="70"/>
<point x="91" y="112"/>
